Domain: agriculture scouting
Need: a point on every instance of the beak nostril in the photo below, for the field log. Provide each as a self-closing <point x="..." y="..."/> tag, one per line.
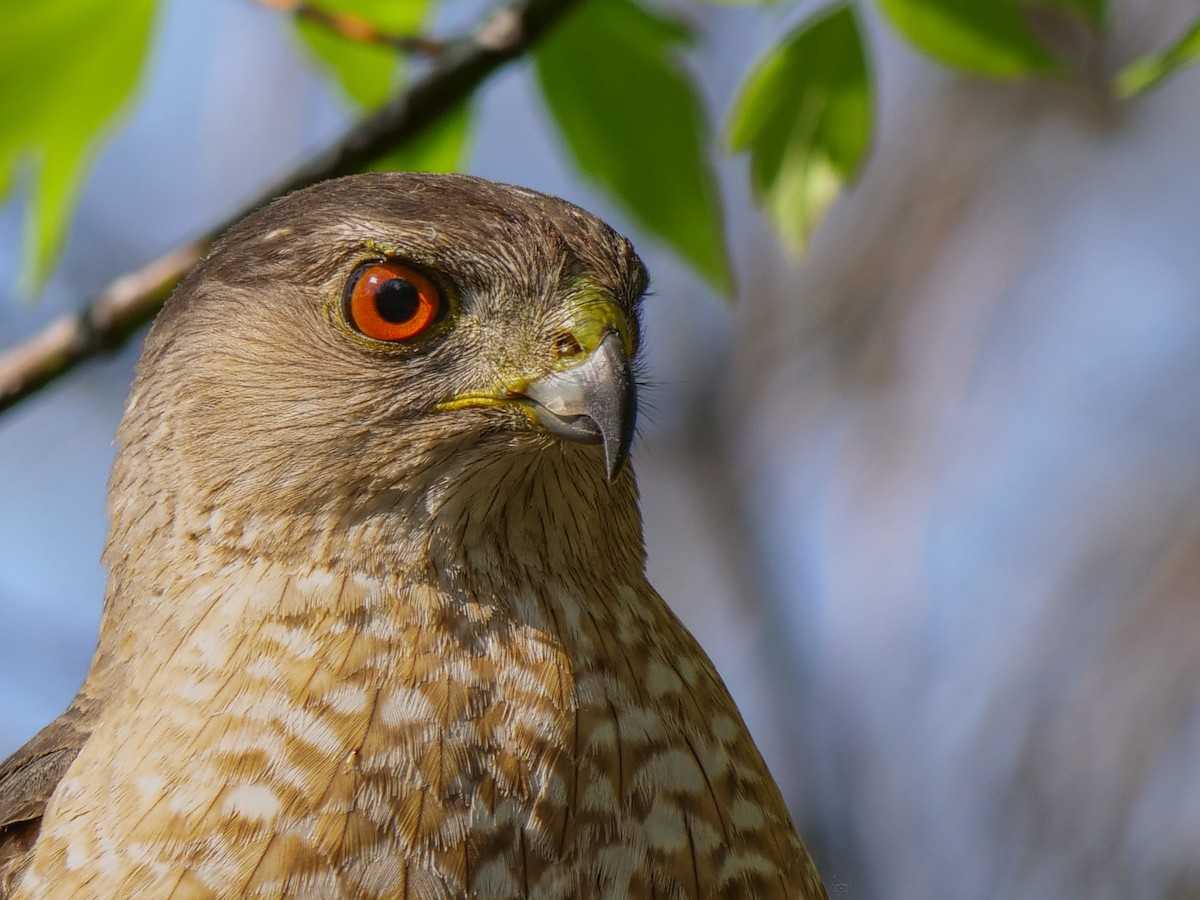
<point x="566" y="344"/>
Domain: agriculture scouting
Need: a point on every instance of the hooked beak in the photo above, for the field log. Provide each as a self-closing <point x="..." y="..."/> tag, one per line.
<point x="594" y="402"/>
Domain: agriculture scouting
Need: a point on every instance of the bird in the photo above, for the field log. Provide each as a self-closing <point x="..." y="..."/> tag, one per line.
<point x="377" y="622"/>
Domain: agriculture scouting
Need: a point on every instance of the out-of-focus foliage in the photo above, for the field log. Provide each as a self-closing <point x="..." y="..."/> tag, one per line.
<point x="370" y="73"/>
<point x="1093" y="12"/>
<point x="1149" y="71"/>
<point x="805" y="117"/>
<point x="987" y="37"/>
<point x="634" y="121"/>
<point x="67" y="67"/>
<point x="613" y="75"/>
<point x="442" y="147"/>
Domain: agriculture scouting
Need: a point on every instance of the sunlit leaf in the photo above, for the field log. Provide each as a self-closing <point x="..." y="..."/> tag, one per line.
<point x="633" y="120"/>
<point x="986" y="37"/>
<point x="1149" y="71"/>
<point x="67" y="67"/>
<point x="440" y="148"/>
<point x="368" y="73"/>
<point x="805" y="116"/>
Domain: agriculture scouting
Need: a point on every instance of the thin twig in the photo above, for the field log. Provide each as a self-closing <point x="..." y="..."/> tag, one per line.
<point x="132" y="300"/>
<point x="356" y="28"/>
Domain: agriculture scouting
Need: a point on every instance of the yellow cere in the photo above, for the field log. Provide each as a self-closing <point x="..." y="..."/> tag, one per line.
<point x="593" y="314"/>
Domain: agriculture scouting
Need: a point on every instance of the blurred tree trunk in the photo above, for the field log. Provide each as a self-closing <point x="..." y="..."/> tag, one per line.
<point x="969" y="435"/>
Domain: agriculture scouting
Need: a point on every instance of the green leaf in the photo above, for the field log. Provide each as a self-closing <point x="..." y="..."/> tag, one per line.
<point x="440" y="148"/>
<point x="368" y="73"/>
<point x="1093" y="12"/>
<point x="632" y="117"/>
<point x="805" y="116"/>
<point x="67" y="67"/>
<point x="985" y="37"/>
<point x="1150" y="71"/>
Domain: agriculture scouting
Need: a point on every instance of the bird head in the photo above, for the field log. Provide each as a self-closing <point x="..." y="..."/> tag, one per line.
<point x="387" y="348"/>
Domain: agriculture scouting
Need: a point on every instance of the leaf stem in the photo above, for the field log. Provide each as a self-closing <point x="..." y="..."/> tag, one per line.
<point x="356" y="28"/>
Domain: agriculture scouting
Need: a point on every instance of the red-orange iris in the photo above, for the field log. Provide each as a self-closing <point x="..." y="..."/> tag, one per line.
<point x="389" y="301"/>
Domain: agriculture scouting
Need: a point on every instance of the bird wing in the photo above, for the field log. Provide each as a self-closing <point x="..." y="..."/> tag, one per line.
<point x="28" y="778"/>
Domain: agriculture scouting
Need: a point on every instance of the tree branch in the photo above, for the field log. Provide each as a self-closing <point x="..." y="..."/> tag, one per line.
<point x="129" y="302"/>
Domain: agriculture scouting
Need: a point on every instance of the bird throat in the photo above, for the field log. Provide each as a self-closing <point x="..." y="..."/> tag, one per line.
<point x="482" y="709"/>
<point x="473" y="724"/>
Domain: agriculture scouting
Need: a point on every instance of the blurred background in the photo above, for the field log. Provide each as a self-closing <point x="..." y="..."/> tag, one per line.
<point x="930" y="497"/>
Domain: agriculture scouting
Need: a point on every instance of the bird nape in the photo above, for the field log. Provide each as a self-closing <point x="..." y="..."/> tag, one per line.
<point x="377" y="623"/>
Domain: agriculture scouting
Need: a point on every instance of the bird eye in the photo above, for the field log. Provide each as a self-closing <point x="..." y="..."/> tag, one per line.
<point x="389" y="301"/>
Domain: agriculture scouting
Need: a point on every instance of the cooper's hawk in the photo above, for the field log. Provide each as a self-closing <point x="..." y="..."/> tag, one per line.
<point x="377" y="623"/>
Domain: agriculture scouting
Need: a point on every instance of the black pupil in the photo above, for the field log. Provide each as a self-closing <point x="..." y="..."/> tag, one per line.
<point x="397" y="300"/>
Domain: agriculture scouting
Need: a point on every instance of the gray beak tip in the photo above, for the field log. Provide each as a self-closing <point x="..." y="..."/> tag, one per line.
<point x="595" y="403"/>
<point x="614" y="461"/>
